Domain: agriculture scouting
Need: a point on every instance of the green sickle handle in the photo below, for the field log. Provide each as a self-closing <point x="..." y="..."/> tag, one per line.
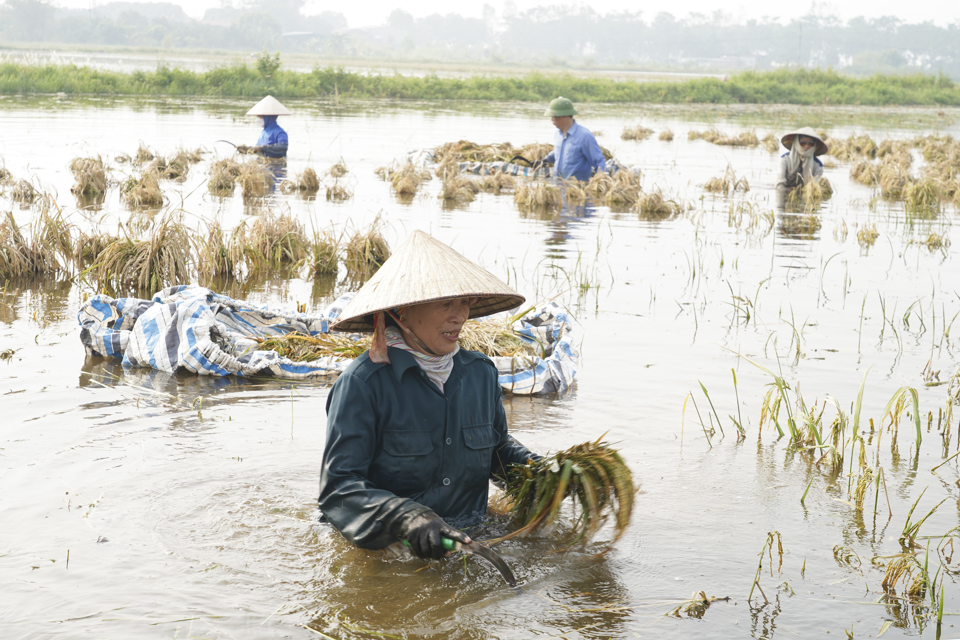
<point x="448" y="544"/>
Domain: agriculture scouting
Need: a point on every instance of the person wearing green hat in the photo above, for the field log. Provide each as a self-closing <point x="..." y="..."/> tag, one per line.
<point x="576" y="153"/>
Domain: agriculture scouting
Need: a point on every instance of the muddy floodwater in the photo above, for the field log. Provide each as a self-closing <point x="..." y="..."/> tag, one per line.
<point x="137" y="504"/>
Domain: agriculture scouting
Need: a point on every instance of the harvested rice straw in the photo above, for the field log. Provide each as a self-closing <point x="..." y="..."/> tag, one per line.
<point x="447" y="168"/>
<point x="924" y="195"/>
<point x="853" y="147"/>
<point x="537" y="196"/>
<point x="637" y="132"/>
<point x="935" y="241"/>
<point x="867" y="236"/>
<point x="592" y="474"/>
<point x="217" y="256"/>
<point x="666" y="135"/>
<point x="797" y="225"/>
<point x="323" y="254"/>
<point x="306" y="183"/>
<point x="573" y="191"/>
<point x="24" y="192"/>
<point x="865" y="172"/>
<point x="303" y="348"/>
<point x="176" y="168"/>
<point x="143" y="155"/>
<point x="90" y="176"/>
<point x="88" y="246"/>
<point x="624" y="189"/>
<point x="727" y="184"/>
<point x="744" y="139"/>
<point x="338" y="192"/>
<point x="893" y="180"/>
<point x="46" y="247"/>
<point x="653" y="206"/>
<point x="496" y="338"/>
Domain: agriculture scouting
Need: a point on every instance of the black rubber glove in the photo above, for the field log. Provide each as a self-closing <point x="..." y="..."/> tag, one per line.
<point x="537" y="164"/>
<point x="425" y="531"/>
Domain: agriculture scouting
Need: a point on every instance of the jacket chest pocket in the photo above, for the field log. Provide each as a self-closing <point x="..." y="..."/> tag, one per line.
<point x="478" y="441"/>
<point x="405" y="464"/>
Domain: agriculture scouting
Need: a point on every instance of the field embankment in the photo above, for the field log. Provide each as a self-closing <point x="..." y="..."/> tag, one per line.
<point x="786" y="86"/>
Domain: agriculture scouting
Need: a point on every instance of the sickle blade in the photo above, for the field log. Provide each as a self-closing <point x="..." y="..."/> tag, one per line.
<point x="494" y="558"/>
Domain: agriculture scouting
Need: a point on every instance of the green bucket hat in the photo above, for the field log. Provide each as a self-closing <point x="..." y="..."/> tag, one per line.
<point x="560" y="107"/>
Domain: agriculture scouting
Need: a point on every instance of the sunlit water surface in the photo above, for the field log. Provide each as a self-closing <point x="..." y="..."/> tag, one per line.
<point x="141" y="505"/>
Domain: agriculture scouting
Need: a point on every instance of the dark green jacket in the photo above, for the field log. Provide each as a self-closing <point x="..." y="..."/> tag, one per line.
<point x="397" y="446"/>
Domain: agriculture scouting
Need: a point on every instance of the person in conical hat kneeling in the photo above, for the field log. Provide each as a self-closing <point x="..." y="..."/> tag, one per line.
<point x="415" y="426"/>
<point x="273" y="139"/>
<point x="576" y="153"/>
<point x="800" y="165"/>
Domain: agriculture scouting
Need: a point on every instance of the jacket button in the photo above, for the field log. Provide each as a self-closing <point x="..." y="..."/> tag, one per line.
<point x="449" y="440"/>
<point x="446" y="482"/>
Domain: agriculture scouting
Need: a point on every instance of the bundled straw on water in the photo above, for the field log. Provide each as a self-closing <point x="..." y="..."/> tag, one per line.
<point x="90" y="176"/>
<point x="592" y="474"/>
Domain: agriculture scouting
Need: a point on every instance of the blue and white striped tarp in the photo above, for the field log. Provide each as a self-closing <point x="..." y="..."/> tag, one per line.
<point x="193" y="329"/>
<point x="507" y="168"/>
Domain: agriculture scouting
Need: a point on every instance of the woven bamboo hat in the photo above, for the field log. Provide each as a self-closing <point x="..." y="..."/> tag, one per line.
<point x="423" y="269"/>
<point x="269" y="106"/>
<point x="810" y="133"/>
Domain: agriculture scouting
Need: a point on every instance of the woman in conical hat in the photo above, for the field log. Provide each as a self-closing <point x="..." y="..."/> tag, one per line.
<point x="273" y="139"/>
<point x="800" y="165"/>
<point x="415" y="426"/>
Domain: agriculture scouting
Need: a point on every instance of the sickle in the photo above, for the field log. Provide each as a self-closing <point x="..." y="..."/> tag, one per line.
<point x="479" y="550"/>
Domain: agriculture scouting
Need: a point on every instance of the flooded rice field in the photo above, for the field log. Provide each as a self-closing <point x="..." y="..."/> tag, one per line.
<point x="779" y="381"/>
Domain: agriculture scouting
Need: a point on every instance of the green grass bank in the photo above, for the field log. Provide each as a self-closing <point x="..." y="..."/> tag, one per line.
<point x="785" y="86"/>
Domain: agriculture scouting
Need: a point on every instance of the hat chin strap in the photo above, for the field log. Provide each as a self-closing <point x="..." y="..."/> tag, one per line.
<point x="411" y="337"/>
<point x="378" y="350"/>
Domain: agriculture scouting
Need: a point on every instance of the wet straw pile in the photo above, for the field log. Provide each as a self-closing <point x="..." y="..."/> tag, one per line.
<point x="223" y="177"/>
<point x="745" y="139"/>
<point x="306" y="183"/>
<point x="592" y="474"/>
<point x="142" y="191"/>
<point x="466" y="151"/>
<point x="537" y="195"/>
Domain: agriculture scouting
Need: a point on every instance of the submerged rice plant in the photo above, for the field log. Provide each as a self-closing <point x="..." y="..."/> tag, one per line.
<point x="223" y="177"/>
<point x="458" y="190"/>
<point x="537" y="195"/>
<point x="90" y="176"/>
<point x="856" y="146"/>
<point x="744" y="139"/>
<point x="366" y="251"/>
<point x="276" y="240"/>
<point x="497" y="183"/>
<point x="24" y="192"/>
<point x="45" y="248"/>
<point x="217" y="255"/>
<point x="653" y="206"/>
<point x="323" y="254"/>
<point x="306" y="183"/>
<point x="666" y="135"/>
<point x="162" y="259"/>
<point x="143" y="155"/>
<point x="255" y="180"/>
<point x="924" y="196"/>
<point x="592" y="474"/>
<point x="142" y="191"/>
<point x="636" y="132"/>
<point x="727" y="184"/>
<point x="865" y="172"/>
<point x="771" y="142"/>
<point x="867" y="236"/>
<point x="338" y="170"/>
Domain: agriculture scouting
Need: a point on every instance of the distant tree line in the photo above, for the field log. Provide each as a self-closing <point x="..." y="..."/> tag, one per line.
<point x="557" y="36"/>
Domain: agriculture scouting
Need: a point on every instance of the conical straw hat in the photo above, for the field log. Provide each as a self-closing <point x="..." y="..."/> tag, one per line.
<point x="810" y="133"/>
<point x="424" y="269"/>
<point x="269" y="106"/>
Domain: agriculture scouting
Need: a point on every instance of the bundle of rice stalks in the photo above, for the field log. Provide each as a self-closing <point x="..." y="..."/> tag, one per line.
<point x="623" y="190"/>
<point x="466" y="151"/>
<point x="727" y="184"/>
<point x="143" y="155"/>
<point x="573" y="191"/>
<point x="303" y="348"/>
<point x="338" y="170"/>
<point x="771" y="142"/>
<point x="497" y="183"/>
<point x="47" y="247"/>
<point x="218" y="257"/>
<point x="865" y="172"/>
<point x="143" y="191"/>
<point x="638" y="132"/>
<point x="223" y="177"/>
<point x="193" y="157"/>
<point x="653" y="206"/>
<point x="306" y="183"/>
<point x="537" y="195"/>
<point x="924" y="196"/>
<point x="323" y="254"/>
<point x="406" y="180"/>
<point x="176" y="168"/>
<point x="867" y="236"/>
<point x="24" y="192"/>
<point x="744" y="139"/>
<point x="338" y="192"/>
<point x="447" y="168"/>
<point x="366" y="251"/>
<point x="90" y="176"/>
<point x="906" y="569"/>
<point x="161" y="260"/>
<point x="538" y="151"/>
<point x="808" y="197"/>
<point x="936" y="241"/>
<point x="893" y="180"/>
<point x="666" y="135"/>
<point x="898" y="149"/>
<point x="255" y="180"/>
<point x="14" y="250"/>
<point x="592" y="474"/>
<point x="853" y="147"/>
<point x="276" y="240"/>
<point x="458" y="190"/>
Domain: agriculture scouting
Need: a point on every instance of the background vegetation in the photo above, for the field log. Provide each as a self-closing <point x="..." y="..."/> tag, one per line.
<point x="787" y="86"/>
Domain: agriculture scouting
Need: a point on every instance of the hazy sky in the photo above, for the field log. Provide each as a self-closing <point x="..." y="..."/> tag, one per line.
<point x="361" y="13"/>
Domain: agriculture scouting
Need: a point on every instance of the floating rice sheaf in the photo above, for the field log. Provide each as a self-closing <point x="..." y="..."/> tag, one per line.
<point x="592" y="474"/>
<point x="90" y="176"/>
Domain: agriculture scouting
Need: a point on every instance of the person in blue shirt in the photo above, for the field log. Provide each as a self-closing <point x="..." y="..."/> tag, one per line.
<point x="800" y="165"/>
<point x="273" y="139"/>
<point x="576" y="153"/>
<point x="416" y="428"/>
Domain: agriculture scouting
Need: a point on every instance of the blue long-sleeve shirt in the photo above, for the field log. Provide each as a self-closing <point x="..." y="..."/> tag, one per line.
<point x="397" y="446"/>
<point x="273" y="139"/>
<point x="576" y="154"/>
